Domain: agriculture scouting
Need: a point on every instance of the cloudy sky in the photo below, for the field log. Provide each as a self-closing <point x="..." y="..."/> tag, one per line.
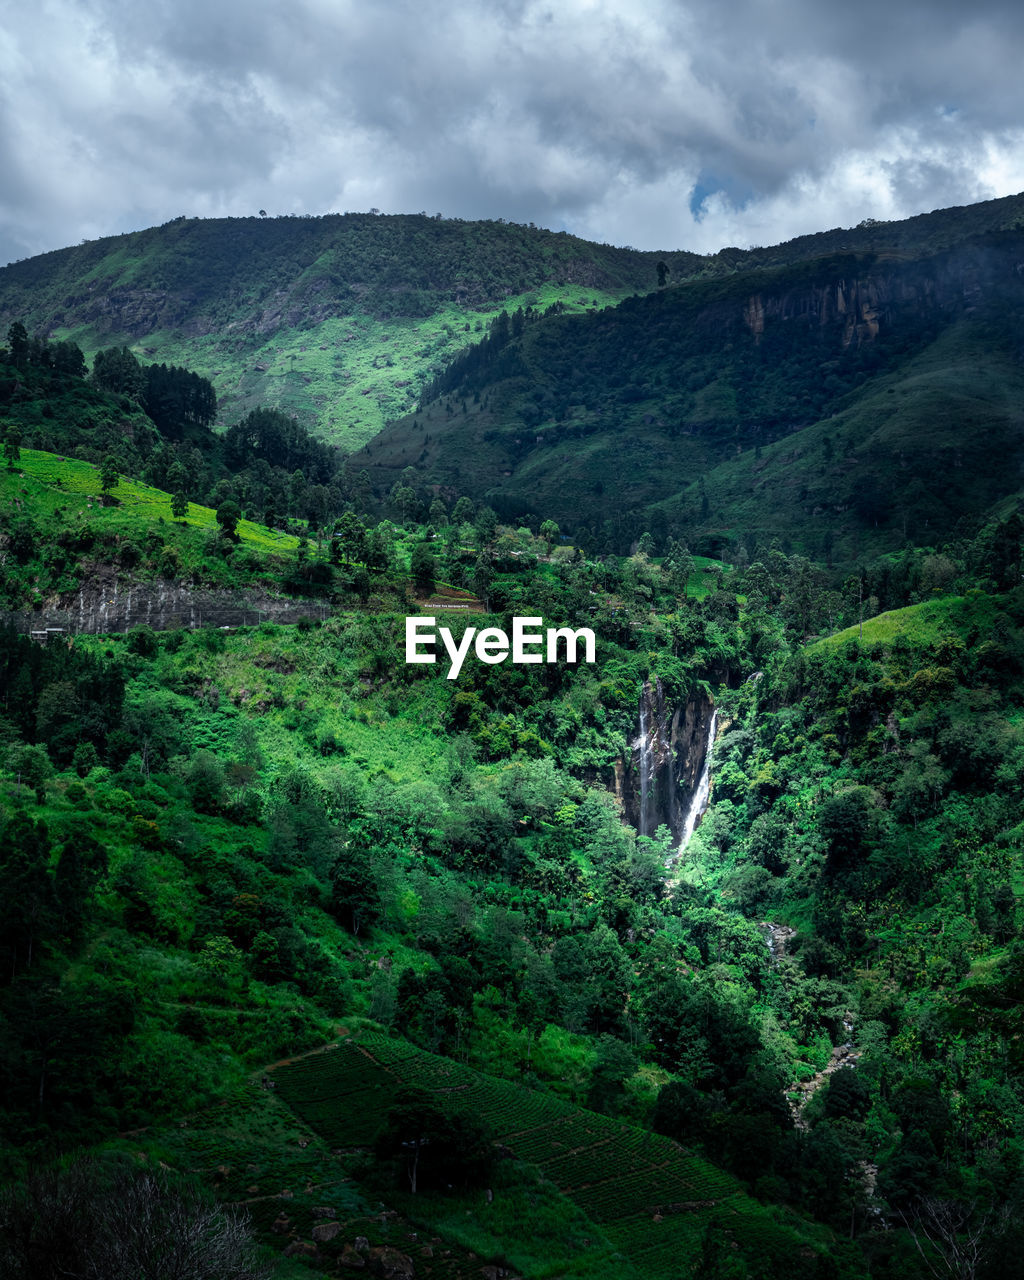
<point x="658" y="123"/>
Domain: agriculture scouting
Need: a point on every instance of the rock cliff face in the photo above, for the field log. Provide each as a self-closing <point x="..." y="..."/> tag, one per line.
<point x="656" y="780"/>
<point x="861" y="297"/>
<point x="103" y="607"/>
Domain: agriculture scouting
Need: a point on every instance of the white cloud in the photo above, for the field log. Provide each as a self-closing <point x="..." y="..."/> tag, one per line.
<point x="607" y="117"/>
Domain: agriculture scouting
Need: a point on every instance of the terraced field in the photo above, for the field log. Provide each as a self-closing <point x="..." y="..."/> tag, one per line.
<point x="256" y="1154"/>
<point x="650" y="1197"/>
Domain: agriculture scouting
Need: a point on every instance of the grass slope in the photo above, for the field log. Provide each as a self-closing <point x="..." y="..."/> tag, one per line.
<point x="137" y="504"/>
<point x="925" y="624"/>
<point x="348" y="375"/>
<point x="58" y="534"/>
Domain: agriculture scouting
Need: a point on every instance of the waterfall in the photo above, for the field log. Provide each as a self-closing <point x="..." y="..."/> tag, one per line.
<point x="700" y="796"/>
<point x="777" y="938"/>
<point x="644" y="747"/>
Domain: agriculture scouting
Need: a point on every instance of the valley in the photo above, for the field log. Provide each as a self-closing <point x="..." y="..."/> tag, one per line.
<point x="699" y="958"/>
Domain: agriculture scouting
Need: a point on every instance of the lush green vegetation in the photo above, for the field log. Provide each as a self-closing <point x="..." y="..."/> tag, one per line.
<point x="843" y="405"/>
<point x="226" y="843"/>
<point x="153" y="422"/>
<point x="338" y="319"/>
<point x="557" y="1046"/>
<point x="129" y="531"/>
<point x="631" y="1186"/>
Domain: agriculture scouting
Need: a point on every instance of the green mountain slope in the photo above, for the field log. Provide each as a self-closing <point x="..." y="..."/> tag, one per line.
<point x="338" y="319"/>
<point x="678" y="411"/>
<point x="58" y="535"/>
<point x="219" y="847"/>
<point x="915" y="451"/>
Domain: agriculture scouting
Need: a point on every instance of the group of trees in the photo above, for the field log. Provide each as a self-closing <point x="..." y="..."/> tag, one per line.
<point x="551" y="943"/>
<point x="155" y="422"/>
<point x="62" y="358"/>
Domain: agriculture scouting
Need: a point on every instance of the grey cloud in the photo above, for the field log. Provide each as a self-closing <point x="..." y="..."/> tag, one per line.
<point x="612" y="118"/>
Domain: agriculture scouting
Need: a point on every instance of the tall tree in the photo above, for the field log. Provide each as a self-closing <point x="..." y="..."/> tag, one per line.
<point x="228" y="515"/>
<point x="423" y="567"/>
<point x="17" y="341"/>
<point x="110" y="473"/>
<point x="116" y="370"/>
<point x="12" y="446"/>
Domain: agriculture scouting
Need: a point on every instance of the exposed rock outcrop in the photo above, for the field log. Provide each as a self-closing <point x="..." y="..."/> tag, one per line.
<point x="876" y="293"/>
<point x="107" y="605"/>
<point x="388" y="1262"/>
<point x="656" y="781"/>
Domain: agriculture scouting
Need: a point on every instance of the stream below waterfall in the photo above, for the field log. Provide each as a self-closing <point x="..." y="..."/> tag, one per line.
<point x="777" y="938"/>
<point x="799" y="1092"/>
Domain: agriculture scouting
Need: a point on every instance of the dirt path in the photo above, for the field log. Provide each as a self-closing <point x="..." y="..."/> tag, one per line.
<point x="287" y="1062"/>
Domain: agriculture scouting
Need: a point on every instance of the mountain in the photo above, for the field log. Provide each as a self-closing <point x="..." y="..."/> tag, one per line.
<point x="337" y="319"/>
<point x="847" y="375"/>
<point x="847" y="389"/>
<point x="703" y="957"/>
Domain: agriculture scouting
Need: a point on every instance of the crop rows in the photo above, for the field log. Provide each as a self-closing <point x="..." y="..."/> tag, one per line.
<point x="531" y="1127"/>
<point x="648" y="1188"/>
<point x="511" y="1109"/>
<point x="651" y="1197"/>
<point x="431" y="1073"/>
<point x="508" y="1107"/>
<point x="607" y="1167"/>
<point x="334" y="1071"/>
<point x="655" y="1248"/>
<point x="340" y="1094"/>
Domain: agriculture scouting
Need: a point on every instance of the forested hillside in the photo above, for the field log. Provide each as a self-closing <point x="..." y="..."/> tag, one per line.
<point x="827" y="403"/>
<point x="77" y="444"/>
<point x="236" y="845"/>
<point x="341" y="320"/>
<point x="338" y="319"/>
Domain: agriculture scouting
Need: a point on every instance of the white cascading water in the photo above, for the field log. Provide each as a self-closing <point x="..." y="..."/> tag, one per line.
<point x="700" y="797"/>
<point x="644" y="748"/>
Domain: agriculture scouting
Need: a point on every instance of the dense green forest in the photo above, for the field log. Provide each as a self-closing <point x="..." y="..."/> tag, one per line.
<point x="313" y="959"/>
<point x="225" y="849"/>
<point x="824" y="402"/>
